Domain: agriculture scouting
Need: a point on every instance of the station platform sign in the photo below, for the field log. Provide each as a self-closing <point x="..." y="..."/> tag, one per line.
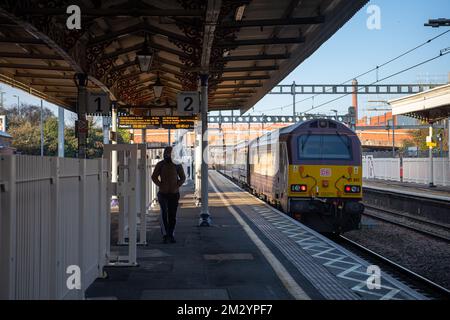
<point x="156" y="122"/>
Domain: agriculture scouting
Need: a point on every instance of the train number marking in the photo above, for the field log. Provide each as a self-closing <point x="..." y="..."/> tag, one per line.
<point x="325" y="172"/>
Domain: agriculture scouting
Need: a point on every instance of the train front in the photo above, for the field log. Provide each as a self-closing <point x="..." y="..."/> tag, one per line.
<point x="325" y="176"/>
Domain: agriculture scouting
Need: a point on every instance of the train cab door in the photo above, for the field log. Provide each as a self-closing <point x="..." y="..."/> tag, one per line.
<point x="282" y="179"/>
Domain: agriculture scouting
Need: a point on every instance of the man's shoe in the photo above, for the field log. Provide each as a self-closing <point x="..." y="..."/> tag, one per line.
<point x="172" y="239"/>
<point x="165" y="239"/>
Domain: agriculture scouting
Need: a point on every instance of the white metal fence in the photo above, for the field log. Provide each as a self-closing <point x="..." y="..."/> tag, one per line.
<point x="385" y="169"/>
<point x="414" y="170"/>
<point x="53" y="215"/>
<point x="153" y="157"/>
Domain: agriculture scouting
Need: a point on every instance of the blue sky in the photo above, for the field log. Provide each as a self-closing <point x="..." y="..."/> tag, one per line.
<point x="353" y="50"/>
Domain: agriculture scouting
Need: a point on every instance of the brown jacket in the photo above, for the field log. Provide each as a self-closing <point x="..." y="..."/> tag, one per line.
<point x="168" y="176"/>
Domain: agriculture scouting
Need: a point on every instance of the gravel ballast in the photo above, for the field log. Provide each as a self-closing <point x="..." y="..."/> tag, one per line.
<point x="422" y="254"/>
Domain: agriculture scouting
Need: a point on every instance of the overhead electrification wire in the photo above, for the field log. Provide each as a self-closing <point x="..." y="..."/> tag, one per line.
<point x="371" y="70"/>
<point x="380" y="80"/>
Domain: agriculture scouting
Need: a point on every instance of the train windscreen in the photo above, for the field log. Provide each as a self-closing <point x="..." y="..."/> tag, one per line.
<point x="324" y="147"/>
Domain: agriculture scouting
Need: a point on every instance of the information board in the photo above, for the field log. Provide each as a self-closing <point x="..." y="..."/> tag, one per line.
<point x="153" y="122"/>
<point x="138" y="122"/>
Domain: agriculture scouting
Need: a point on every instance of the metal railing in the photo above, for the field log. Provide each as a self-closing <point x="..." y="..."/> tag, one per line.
<point x="407" y="154"/>
<point x="53" y="221"/>
<point x="414" y="170"/>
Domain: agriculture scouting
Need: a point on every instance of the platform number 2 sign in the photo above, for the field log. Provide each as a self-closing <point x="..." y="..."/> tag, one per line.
<point x="188" y="103"/>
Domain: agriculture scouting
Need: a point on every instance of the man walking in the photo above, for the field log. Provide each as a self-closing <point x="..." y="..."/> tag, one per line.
<point x="169" y="177"/>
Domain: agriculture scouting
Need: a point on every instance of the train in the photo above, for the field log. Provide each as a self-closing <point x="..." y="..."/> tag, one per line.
<point x="311" y="170"/>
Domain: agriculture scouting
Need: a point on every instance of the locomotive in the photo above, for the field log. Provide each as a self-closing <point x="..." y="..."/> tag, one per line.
<point x="311" y="170"/>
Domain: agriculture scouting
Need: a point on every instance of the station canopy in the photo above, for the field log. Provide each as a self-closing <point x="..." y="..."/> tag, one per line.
<point x="246" y="47"/>
<point x="430" y="106"/>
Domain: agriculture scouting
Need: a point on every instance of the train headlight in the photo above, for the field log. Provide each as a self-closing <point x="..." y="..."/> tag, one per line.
<point x="299" y="188"/>
<point x="352" y="189"/>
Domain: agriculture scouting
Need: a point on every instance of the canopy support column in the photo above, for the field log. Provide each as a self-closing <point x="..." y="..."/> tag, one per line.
<point x="205" y="218"/>
<point x="106" y="122"/>
<point x="81" y="81"/>
<point x="114" y="139"/>
<point x="60" y="132"/>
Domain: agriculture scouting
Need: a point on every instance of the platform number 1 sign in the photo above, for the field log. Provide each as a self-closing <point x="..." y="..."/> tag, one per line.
<point x="188" y="103"/>
<point x="98" y="103"/>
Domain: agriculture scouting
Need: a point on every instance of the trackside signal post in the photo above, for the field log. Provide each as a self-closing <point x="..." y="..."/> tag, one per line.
<point x="431" y="145"/>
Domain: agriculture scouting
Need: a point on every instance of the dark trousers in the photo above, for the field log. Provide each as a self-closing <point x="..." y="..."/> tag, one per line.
<point x="168" y="203"/>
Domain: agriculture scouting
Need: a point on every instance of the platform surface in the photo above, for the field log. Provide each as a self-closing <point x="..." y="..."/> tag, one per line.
<point x="414" y="189"/>
<point x="251" y="252"/>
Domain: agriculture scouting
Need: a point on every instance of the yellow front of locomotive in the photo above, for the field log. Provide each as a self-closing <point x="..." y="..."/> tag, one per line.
<point x="325" y="176"/>
<point x="325" y="181"/>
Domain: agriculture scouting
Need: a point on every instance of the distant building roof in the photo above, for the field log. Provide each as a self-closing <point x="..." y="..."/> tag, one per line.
<point x="4" y="134"/>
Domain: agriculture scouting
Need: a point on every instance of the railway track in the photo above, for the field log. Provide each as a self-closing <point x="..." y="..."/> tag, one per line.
<point x="420" y="283"/>
<point x="417" y="224"/>
<point x="426" y="286"/>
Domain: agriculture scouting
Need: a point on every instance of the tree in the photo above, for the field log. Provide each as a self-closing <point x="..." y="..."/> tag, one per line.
<point x="419" y="139"/>
<point x="24" y="126"/>
<point x="123" y="136"/>
<point x="94" y="144"/>
<point x="26" y="113"/>
<point x="407" y="143"/>
<point x="51" y="137"/>
<point x="26" y="138"/>
<point x="70" y="143"/>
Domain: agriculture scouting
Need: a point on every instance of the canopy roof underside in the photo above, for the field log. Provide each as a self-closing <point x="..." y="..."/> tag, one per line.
<point x="430" y="106"/>
<point x="245" y="57"/>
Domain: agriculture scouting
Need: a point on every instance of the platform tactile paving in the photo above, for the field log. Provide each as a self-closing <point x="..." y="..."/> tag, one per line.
<point x="335" y="272"/>
<point x="349" y="270"/>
